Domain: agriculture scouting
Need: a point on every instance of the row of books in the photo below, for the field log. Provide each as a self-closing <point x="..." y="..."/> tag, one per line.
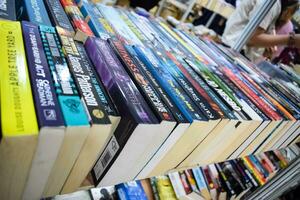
<point x="233" y="179"/>
<point x="104" y="90"/>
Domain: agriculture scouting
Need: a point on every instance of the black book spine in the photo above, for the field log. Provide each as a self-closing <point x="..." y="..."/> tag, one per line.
<point x="8" y="10"/>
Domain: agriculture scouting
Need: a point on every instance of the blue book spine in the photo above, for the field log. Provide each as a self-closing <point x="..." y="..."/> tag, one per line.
<point x="259" y="166"/>
<point x="46" y="103"/>
<point x="132" y="190"/>
<point x="90" y="13"/>
<point x="37" y="13"/>
<point x="71" y="105"/>
<point x="167" y="82"/>
<point x="199" y="178"/>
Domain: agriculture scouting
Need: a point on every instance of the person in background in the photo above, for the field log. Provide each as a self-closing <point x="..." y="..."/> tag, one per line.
<point x="218" y="24"/>
<point x="264" y="36"/>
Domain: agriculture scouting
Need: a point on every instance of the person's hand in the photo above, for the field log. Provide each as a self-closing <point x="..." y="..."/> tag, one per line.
<point x="269" y="51"/>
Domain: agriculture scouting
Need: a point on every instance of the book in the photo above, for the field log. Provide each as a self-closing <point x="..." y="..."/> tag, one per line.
<point x="131" y="190"/>
<point x="174" y="156"/>
<point x="82" y="29"/>
<point x="104" y="193"/>
<point x="177" y="184"/>
<point x="58" y="16"/>
<point x="73" y="111"/>
<point x="100" y="130"/>
<point x="182" y="123"/>
<point x="92" y="16"/>
<point x="35" y="12"/>
<point x="49" y="115"/>
<point x="19" y="128"/>
<point x="148" y="189"/>
<point x="164" y="188"/>
<point x="8" y="10"/>
<point x="201" y="184"/>
<point x="140" y="118"/>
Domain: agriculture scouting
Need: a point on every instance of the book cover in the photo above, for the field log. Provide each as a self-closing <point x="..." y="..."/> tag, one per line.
<point x="132" y="190"/>
<point x="100" y="130"/>
<point x="19" y="126"/>
<point x="147" y="188"/>
<point x="82" y="29"/>
<point x="104" y="193"/>
<point x="58" y="16"/>
<point x="119" y="84"/>
<point x="91" y="15"/>
<point x="8" y="10"/>
<point x="164" y="188"/>
<point x="48" y="111"/>
<point x="177" y="184"/>
<point x="73" y="111"/>
<point x="35" y="12"/>
<point x="201" y="184"/>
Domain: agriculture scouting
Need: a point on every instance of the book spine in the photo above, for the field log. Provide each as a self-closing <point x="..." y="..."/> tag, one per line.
<point x="219" y="90"/>
<point x="177" y="185"/>
<point x="216" y="109"/>
<point x="92" y="19"/>
<point x="257" y="175"/>
<point x="8" y="10"/>
<point x="99" y="88"/>
<point x="58" y="16"/>
<point x="199" y="178"/>
<point x="154" y="188"/>
<point x="186" y="106"/>
<point x="242" y="173"/>
<point x="111" y="72"/>
<point x="249" y="173"/>
<point x="227" y="183"/>
<point x="185" y="182"/>
<point x="212" y="95"/>
<point x="81" y="74"/>
<point x="142" y="82"/>
<point x="190" y="90"/>
<point x="191" y="180"/>
<point x="166" y="99"/>
<point x="265" y="165"/>
<point x="70" y="103"/>
<point x="121" y="28"/>
<point x="46" y="103"/>
<point x="251" y="94"/>
<point x="258" y="166"/>
<point x="37" y="13"/>
<point x="17" y="103"/>
<point x="268" y="161"/>
<point x="76" y="17"/>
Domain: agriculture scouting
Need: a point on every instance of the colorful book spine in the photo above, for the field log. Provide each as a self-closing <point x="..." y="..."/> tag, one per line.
<point x="142" y="82"/>
<point x="167" y="100"/>
<point x="254" y="171"/>
<point x="48" y="111"/>
<point x="90" y="12"/>
<point x="71" y="105"/>
<point x="184" y="103"/>
<point x="99" y="88"/>
<point x="82" y="29"/>
<point x="224" y="178"/>
<point x="8" y="10"/>
<point x="191" y="180"/>
<point x="36" y="12"/>
<point x="131" y="190"/>
<point x="19" y="128"/>
<point x="81" y="74"/>
<point x="46" y="103"/>
<point x="189" y="89"/>
<point x="164" y="188"/>
<point x="58" y="16"/>
<point x="185" y="182"/>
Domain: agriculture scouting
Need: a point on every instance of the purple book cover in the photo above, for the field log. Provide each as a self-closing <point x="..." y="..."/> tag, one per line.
<point x="46" y="104"/>
<point x="123" y="91"/>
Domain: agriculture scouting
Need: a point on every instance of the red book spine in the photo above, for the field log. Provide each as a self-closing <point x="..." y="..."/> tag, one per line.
<point x="251" y="95"/>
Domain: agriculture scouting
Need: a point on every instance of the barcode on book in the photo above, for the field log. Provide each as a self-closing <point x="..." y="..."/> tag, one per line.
<point x="106" y="157"/>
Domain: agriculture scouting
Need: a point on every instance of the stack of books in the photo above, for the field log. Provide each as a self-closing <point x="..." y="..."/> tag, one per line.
<point x="89" y="89"/>
<point x="240" y="178"/>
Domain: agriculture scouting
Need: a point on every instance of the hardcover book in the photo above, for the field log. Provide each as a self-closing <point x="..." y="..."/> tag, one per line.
<point x="73" y="111"/>
<point x="49" y="115"/>
<point x="100" y="130"/>
<point x="58" y="16"/>
<point x="19" y="129"/>
<point x="138" y="122"/>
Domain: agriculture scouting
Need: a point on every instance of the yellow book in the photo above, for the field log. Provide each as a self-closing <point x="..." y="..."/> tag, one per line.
<point x="18" y="121"/>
